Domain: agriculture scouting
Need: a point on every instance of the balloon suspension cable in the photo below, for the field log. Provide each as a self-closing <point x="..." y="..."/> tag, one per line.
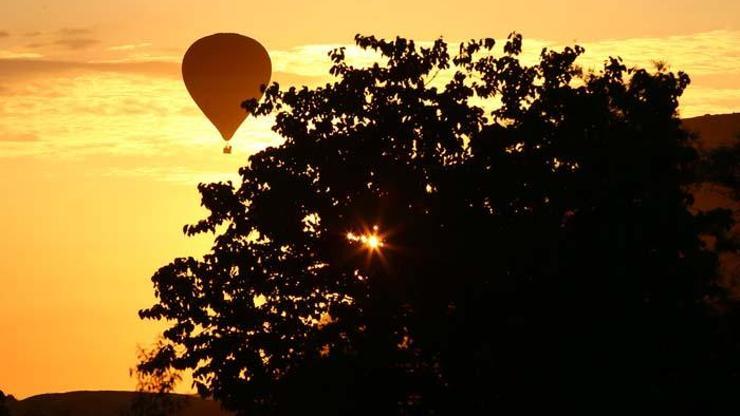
<point x="227" y="149"/>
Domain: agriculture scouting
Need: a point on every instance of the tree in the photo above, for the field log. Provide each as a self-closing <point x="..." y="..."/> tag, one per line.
<point x="155" y="383"/>
<point x="719" y="170"/>
<point x="720" y="166"/>
<point x="4" y="401"/>
<point x="515" y="237"/>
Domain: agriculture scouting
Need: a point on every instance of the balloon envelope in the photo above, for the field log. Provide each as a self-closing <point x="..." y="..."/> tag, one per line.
<point x="220" y="72"/>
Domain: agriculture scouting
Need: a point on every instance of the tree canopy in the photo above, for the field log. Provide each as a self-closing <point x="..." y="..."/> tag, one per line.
<point x="458" y="231"/>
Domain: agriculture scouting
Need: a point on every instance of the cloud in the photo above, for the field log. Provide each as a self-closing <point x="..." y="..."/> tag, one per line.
<point x="4" y="34"/>
<point x="67" y="38"/>
<point x="121" y="115"/>
<point x="698" y="100"/>
<point x="129" y="46"/>
<point x="74" y="31"/>
<point x="70" y="44"/>
<point x="12" y="56"/>
<point x="18" y="137"/>
<point x="22" y="65"/>
<point x="31" y="65"/>
<point x="139" y="58"/>
<point x="76" y="43"/>
<point x="176" y="174"/>
<point x="313" y="60"/>
<point x="134" y="105"/>
<point x="698" y="54"/>
<point x="705" y="56"/>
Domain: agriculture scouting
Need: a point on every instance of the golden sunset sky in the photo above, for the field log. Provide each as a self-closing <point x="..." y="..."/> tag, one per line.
<point x="101" y="147"/>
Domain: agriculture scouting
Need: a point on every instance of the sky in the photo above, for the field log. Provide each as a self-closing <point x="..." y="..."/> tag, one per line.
<point x="101" y="147"/>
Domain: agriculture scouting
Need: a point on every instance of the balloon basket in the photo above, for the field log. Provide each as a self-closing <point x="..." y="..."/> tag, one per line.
<point x="227" y="150"/>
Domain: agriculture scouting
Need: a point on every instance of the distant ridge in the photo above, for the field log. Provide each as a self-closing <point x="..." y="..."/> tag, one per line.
<point x="104" y="403"/>
<point x="714" y="129"/>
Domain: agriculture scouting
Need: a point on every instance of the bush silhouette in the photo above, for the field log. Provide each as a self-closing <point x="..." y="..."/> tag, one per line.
<point x="154" y="386"/>
<point x="538" y="247"/>
<point x="4" y="401"/>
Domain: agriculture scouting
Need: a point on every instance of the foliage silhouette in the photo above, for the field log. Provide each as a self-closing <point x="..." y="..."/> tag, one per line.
<point x="539" y="251"/>
<point x="154" y="385"/>
<point x="4" y="399"/>
<point x="721" y="166"/>
<point x="720" y="169"/>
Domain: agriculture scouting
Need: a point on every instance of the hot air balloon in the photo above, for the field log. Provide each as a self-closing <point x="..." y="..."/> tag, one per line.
<point x="220" y="72"/>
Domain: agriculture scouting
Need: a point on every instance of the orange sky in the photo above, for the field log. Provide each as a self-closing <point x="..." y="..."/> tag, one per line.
<point x="101" y="147"/>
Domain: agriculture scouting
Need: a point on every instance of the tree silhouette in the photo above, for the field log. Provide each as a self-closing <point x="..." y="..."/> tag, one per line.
<point x="155" y="383"/>
<point x="721" y="166"/>
<point x="514" y="237"/>
<point x="4" y="400"/>
<point x="720" y="169"/>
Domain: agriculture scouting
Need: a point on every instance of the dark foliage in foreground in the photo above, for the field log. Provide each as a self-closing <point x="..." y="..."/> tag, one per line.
<point x="4" y="399"/>
<point x="154" y="387"/>
<point x="539" y="255"/>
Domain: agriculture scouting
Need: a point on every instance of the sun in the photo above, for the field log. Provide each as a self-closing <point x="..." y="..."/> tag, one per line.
<point x="371" y="240"/>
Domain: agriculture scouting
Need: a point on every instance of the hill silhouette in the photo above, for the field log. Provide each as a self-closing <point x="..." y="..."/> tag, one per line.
<point x="714" y="129"/>
<point x="103" y="403"/>
<point x="714" y="132"/>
